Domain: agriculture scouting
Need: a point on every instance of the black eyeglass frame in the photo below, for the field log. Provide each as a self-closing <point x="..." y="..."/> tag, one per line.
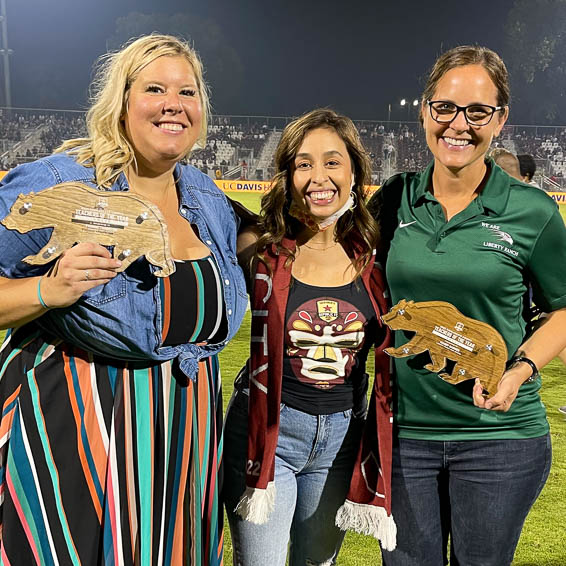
<point x="463" y="109"/>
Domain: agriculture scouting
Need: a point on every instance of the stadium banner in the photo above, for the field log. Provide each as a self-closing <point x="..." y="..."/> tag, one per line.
<point x="263" y="186"/>
<point x="241" y="186"/>
<point x="559" y="198"/>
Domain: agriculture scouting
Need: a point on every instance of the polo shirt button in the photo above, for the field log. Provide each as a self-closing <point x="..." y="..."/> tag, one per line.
<point x="208" y="242"/>
<point x="443" y="235"/>
<point x="184" y="212"/>
<point x="229" y="312"/>
<point x="227" y="281"/>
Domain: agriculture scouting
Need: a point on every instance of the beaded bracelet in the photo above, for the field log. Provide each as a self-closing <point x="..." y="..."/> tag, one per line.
<point x="41" y="301"/>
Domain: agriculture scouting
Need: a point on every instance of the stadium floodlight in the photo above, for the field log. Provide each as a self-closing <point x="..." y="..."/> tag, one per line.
<point x="403" y="102"/>
<point x="5" y="52"/>
<point x="416" y="102"/>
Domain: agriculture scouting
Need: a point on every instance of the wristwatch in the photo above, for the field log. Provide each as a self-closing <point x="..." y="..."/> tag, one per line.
<point x="517" y="360"/>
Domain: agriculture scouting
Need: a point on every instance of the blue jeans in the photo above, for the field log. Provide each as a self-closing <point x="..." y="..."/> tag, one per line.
<point x="477" y="492"/>
<point x="313" y="465"/>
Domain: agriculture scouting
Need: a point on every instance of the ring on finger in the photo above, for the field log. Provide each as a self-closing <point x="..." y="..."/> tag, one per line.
<point x="87" y="275"/>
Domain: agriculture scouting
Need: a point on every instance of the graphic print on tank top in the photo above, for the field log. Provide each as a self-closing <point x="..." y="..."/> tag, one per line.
<point x="323" y="337"/>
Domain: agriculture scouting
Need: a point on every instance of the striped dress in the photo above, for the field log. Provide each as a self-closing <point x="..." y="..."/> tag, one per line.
<point x="106" y="462"/>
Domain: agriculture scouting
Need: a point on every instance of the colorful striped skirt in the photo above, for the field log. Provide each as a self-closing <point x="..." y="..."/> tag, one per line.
<point x="105" y="462"/>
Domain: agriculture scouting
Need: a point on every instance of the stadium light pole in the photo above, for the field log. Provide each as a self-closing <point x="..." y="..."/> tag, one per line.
<point x="5" y="52"/>
<point x="404" y="102"/>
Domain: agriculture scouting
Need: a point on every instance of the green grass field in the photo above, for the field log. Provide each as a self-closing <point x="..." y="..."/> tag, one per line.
<point x="543" y="540"/>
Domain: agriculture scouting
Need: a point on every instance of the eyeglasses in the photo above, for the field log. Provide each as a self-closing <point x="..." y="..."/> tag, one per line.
<point x="476" y="114"/>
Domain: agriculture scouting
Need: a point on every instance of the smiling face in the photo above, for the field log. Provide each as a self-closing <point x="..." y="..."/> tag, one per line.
<point x="164" y="112"/>
<point x="457" y="145"/>
<point x="322" y="173"/>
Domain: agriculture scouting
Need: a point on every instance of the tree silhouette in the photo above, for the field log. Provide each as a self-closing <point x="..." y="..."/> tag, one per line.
<point x="535" y="35"/>
<point x="222" y="64"/>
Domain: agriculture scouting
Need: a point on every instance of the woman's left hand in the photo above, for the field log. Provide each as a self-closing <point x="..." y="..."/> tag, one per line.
<point x="507" y="390"/>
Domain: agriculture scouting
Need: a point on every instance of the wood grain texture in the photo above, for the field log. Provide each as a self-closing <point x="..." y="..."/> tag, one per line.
<point x="130" y="224"/>
<point x="441" y="329"/>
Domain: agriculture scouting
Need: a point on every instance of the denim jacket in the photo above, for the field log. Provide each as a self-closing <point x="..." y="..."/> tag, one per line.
<point x="123" y="318"/>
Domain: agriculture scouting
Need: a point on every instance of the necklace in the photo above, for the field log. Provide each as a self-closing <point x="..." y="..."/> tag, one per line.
<point x="319" y="249"/>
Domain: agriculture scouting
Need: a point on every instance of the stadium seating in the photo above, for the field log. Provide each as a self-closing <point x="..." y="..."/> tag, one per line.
<point x="242" y="146"/>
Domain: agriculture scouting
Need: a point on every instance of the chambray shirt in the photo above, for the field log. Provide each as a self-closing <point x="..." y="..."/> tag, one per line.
<point x="123" y="318"/>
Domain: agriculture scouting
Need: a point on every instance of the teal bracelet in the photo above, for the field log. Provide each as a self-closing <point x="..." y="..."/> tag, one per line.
<point x="41" y="301"/>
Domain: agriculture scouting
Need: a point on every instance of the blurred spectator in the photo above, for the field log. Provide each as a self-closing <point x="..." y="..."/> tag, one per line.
<point x="528" y="168"/>
<point x="507" y="161"/>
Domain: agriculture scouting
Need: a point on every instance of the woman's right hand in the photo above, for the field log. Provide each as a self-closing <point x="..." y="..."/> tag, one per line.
<point x="80" y="268"/>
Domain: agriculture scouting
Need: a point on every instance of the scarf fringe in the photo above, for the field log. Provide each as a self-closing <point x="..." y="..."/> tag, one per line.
<point x="368" y="520"/>
<point x="256" y="504"/>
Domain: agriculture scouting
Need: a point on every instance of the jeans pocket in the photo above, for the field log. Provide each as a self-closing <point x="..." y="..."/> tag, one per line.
<point x="114" y="289"/>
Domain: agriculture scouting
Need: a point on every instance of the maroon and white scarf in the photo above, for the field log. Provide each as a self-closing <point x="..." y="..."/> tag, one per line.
<point x="367" y="508"/>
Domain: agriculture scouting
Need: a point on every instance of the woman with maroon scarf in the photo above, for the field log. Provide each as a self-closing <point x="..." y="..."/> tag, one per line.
<point x="295" y="422"/>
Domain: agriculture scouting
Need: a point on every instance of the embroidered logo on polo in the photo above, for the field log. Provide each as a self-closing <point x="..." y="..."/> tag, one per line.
<point x="325" y="335"/>
<point x="405" y="224"/>
<point x="501" y="236"/>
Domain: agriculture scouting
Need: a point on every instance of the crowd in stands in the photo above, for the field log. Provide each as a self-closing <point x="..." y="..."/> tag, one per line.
<point x="547" y="148"/>
<point x="234" y="141"/>
<point x="10" y="129"/>
<point x="27" y="136"/>
<point x="227" y="143"/>
<point x="412" y="150"/>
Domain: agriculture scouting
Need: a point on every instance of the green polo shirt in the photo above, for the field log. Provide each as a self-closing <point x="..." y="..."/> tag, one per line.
<point x="482" y="261"/>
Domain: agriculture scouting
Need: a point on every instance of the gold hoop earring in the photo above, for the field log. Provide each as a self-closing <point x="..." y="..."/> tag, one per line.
<point x="354" y="198"/>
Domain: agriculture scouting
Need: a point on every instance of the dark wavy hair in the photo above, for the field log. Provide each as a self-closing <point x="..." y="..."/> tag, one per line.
<point x="356" y="227"/>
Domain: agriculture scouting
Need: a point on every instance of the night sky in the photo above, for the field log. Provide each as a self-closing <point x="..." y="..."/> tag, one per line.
<point x="275" y="58"/>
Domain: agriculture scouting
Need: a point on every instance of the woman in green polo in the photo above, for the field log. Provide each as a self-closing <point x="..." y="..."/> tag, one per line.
<point x="465" y="232"/>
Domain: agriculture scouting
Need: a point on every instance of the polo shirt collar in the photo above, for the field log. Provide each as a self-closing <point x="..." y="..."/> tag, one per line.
<point x="495" y="194"/>
<point x="421" y="192"/>
<point x="493" y="197"/>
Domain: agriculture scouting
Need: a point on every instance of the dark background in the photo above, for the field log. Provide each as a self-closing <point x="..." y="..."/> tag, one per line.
<point x="281" y="58"/>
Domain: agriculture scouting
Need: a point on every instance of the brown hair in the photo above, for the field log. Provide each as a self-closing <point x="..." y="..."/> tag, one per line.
<point x="470" y="55"/>
<point x="275" y="222"/>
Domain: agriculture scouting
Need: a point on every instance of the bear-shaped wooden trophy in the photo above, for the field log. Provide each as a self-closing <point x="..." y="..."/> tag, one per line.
<point x="439" y="327"/>
<point x="77" y="213"/>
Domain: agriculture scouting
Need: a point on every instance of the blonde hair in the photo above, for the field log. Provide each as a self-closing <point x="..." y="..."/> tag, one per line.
<point x="107" y="147"/>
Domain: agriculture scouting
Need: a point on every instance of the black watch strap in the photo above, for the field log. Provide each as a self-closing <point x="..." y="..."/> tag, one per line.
<point x="517" y="360"/>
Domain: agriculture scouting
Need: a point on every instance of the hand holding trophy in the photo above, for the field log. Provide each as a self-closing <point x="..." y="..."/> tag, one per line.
<point x="134" y="226"/>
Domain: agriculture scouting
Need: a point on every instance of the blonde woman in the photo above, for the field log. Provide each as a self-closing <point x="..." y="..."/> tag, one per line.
<point x="110" y="388"/>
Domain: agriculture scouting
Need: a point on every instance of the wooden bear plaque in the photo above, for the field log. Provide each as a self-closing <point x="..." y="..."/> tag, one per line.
<point x="79" y="213"/>
<point x="442" y="330"/>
